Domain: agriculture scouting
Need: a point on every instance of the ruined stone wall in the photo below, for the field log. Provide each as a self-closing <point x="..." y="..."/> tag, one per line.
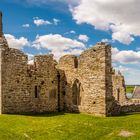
<point x="95" y="74"/>
<point x="77" y="84"/>
<point x="28" y="88"/>
<point x="15" y="94"/>
<point x="3" y="46"/>
<point x="130" y="107"/>
<point x="119" y="90"/>
<point x="68" y="64"/>
<point x="88" y="80"/>
<point x="44" y="84"/>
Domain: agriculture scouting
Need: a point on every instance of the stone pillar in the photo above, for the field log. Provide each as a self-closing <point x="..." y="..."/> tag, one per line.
<point x="1" y="26"/>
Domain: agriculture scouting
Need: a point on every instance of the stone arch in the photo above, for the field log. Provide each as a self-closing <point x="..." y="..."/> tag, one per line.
<point x="76" y="92"/>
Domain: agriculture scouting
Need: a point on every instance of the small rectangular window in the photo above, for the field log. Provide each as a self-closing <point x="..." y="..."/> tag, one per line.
<point x="36" y="92"/>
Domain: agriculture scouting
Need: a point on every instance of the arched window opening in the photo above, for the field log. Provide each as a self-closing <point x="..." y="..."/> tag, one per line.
<point x="76" y="92"/>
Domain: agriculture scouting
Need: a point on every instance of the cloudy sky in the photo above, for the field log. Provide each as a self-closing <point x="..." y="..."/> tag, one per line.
<point x="70" y="26"/>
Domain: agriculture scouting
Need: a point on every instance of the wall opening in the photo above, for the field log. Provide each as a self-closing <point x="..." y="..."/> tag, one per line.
<point x="36" y="92"/>
<point x="58" y="87"/>
<point x="75" y="63"/>
<point x="76" y="92"/>
<point x="118" y="94"/>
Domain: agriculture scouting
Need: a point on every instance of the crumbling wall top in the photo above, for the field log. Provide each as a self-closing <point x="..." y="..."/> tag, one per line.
<point x="100" y="43"/>
<point x="3" y="41"/>
<point x="44" y="58"/>
<point x="68" y="61"/>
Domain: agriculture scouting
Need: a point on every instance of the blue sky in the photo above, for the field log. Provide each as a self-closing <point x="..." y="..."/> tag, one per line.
<point x="40" y="27"/>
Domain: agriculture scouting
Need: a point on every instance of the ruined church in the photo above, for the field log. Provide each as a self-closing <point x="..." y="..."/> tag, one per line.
<point x="85" y="83"/>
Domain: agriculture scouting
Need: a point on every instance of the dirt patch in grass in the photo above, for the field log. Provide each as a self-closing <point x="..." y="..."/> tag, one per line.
<point x="125" y="133"/>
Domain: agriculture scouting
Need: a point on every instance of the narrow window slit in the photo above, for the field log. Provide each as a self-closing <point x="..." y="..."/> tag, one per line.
<point x="36" y="92"/>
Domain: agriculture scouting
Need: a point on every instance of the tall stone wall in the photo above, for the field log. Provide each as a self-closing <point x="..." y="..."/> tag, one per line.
<point x="119" y="90"/>
<point x="15" y="94"/>
<point x="95" y="74"/>
<point x="88" y="80"/>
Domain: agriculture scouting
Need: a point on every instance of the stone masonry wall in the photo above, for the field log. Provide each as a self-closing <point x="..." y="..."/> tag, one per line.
<point x="94" y="72"/>
<point x="130" y="107"/>
<point x="3" y="45"/>
<point x="28" y="88"/>
<point x="44" y="84"/>
<point x="68" y="64"/>
<point x="76" y="84"/>
<point x="89" y="86"/>
<point x="15" y="95"/>
<point x="119" y="91"/>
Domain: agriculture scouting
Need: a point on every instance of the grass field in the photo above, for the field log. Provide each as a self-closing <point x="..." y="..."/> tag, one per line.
<point x="130" y="89"/>
<point x="68" y="127"/>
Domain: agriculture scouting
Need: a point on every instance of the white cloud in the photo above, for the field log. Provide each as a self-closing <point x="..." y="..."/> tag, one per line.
<point x="56" y="21"/>
<point x="121" y="17"/>
<point x="106" y="40"/>
<point x="58" y="45"/>
<point x="26" y="25"/>
<point x="38" y="22"/>
<point x="17" y="43"/>
<point x="125" y="56"/>
<point x="83" y="38"/>
<point x="120" y="35"/>
<point x="72" y="32"/>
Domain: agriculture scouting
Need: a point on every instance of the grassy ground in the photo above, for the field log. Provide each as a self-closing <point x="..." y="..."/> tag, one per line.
<point x="68" y="127"/>
<point x="129" y="89"/>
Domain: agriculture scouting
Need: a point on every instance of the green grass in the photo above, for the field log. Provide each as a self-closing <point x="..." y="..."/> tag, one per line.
<point x="130" y="89"/>
<point x="66" y="126"/>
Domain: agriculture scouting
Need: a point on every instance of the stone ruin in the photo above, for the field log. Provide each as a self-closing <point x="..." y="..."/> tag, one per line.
<point x="85" y="83"/>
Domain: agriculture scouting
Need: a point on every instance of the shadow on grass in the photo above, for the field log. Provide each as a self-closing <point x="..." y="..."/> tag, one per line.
<point x="52" y="114"/>
<point x="44" y="114"/>
<point x="127" y="114"/>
